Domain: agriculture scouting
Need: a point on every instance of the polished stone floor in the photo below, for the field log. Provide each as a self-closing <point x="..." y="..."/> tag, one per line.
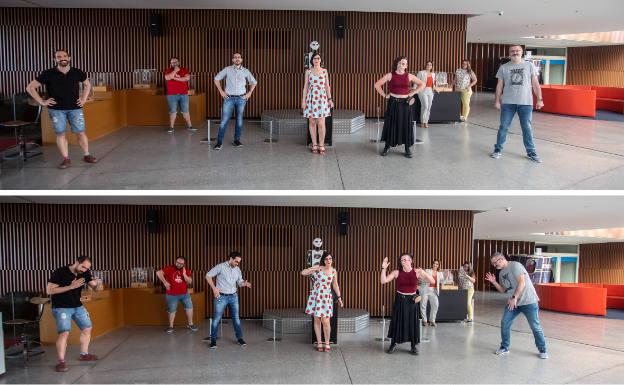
<point x="578" y="153"/>
<point x="582" y="350"/>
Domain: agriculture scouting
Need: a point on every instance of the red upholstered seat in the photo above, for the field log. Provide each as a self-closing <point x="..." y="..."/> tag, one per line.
<point x="567" y="100"/>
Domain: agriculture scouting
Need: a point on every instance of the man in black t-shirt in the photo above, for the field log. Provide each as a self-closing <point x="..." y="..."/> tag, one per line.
<point x="64" y="103"/>
<point x="65" y="286"/>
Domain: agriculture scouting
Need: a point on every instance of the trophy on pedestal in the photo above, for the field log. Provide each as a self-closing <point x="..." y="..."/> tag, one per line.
<point x="144" y="78"/>
<point x="192" y="84"/>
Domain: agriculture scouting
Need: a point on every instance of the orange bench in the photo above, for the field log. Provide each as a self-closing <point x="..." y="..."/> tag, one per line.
<point x="610" y="99"/>
<point x="569" y="100"/>
<point x="572" y="298"/>
<point x="615" y="296"/>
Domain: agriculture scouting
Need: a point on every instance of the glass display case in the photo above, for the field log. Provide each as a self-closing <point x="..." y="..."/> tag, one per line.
<point x="444" y="81"/>
<point x="450" y="280"/>
<point x="142" y="277"/>
<point x="144" y="78"/>
<point x="192" y="84"/>
<point x="101" y="81"/>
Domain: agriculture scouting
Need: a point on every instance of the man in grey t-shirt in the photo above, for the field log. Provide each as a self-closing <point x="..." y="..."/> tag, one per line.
<point x="229" y="279"/>
<point x="516" y="80"/>
<point x="514" y="280"/>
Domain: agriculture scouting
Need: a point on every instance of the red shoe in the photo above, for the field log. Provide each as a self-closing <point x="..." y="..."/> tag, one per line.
<point x="65" y="163"/>
<point x="60" y="367"/>
<point x="88" y="357"/>
<point x="90" y="159"/>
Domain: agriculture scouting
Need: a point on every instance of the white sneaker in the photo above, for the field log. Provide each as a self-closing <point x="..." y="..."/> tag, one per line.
<point x="496" y="155"/>
<point x="543" y="356"/>
<point x="502" y="352"/>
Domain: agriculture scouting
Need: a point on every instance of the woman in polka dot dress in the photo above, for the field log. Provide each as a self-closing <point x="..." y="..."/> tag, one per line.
<point x="317" y="102"/>
<point x="320" y="302"/>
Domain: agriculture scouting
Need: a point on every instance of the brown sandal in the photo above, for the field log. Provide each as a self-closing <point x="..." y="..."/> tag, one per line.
<point x="319" y="347"/>
<point x="315" y="149"/>
<point x="327" y="348"/>
<point x="322" y="150"/>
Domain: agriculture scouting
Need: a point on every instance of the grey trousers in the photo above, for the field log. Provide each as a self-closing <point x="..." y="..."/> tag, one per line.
<point x="426" y="101"/>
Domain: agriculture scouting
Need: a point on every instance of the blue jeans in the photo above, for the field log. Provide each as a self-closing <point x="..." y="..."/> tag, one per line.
<point x="64" y="315"/>
<point x="219" y="307"/>
<point x="172" y="302"/>
<point x="226" y="113"/>
<point x="179" y="99"/>
<point x="61" y="117"/>
<point x="531" y="313"/>
<point x="525" y="113"/>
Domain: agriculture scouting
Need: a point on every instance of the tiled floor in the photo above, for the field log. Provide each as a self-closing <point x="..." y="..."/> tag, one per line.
<point x="578" y="153"/>
<point x="582" y="350"/>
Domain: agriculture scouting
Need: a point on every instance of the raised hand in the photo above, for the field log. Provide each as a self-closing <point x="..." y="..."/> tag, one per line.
<point x="490" y="277"/>
<point x="385" y="263"/>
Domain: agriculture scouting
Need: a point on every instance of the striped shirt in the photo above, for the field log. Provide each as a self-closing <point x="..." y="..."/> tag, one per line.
<point x="236" y="79"/>
<point x="228" y="277"/>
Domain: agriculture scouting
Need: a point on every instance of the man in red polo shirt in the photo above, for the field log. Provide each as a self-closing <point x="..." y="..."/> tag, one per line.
<point x="176" y="279"/>
<point x="176" y="81"/>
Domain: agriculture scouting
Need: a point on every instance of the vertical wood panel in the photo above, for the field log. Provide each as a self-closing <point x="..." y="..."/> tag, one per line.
<point x="484" y="59"/>
<point x="602" y="263"/>
<point x="596" y="66"/>
<point x="36" y="239"/>
<point x="272" y="43"/>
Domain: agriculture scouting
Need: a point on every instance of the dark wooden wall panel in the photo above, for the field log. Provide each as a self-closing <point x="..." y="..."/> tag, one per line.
<point x="272" y="44"/>
<point x="484" y="59"/>
<point x="602" y="263"/>
<point x="35" y="239"/>
<point x="596" y="66"/>
<point x="483" y="250"/>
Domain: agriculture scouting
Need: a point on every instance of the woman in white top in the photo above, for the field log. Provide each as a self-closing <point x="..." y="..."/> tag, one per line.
<point x="465" y="79"/>
<point x="428" y="77"/>
<point x="466" y="282"/>
<point x="430" y="292"/>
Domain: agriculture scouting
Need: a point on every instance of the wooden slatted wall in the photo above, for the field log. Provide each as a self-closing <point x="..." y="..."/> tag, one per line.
<point x="484" y="60"/>
<point x="272" y="43"/>
<point x="602" y="263"/>
<point x="483" y="250"/>
<point x="596" y="66"/>
<point x="35" y="239"/>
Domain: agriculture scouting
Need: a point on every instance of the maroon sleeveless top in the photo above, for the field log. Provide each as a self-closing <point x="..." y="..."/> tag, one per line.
<point x="407" y="282"/>
<point x="399" y="84"/>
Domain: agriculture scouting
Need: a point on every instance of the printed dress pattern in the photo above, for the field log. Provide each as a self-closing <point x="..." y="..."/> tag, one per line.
<point x="317" y="105"/>
<point x="320" y="301"/>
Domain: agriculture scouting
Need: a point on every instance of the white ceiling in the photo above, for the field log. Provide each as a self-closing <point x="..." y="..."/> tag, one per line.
<point x="529" y="214"/>
<point x="519" y="19"/>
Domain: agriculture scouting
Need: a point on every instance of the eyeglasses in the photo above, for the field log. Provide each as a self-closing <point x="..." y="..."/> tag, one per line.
<point x="496" y="261"/>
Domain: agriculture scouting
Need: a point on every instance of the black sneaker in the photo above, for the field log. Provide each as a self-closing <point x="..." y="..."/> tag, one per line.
<point x="414" y="351"/>
<point x="391" y="349"/>
<point x="171" y="130"/>
<point x="242" y="342"/>
<point x="193" y="129"/>
<point x="408" y="153"/>
<point x="218" y="146"/>
<point x="169" y="330"/>
<point x="192" y="328"/>
<point x="213" y="344"/>
<point x="385" y="151"/>
<point x="237" y="143"/>
<point x="534" y="157"/>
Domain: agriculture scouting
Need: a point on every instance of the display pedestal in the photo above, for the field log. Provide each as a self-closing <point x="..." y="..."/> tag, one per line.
<point x="446" y="107"/>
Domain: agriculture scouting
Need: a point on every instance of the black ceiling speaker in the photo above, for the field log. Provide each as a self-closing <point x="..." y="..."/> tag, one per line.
<point x="155" y="24"/>
<point x="153" y="225"/>
<point x="341" y="24"/>
<point x="343" y="222"/>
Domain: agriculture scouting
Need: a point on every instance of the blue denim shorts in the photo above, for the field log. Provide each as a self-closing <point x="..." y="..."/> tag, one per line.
<point x="61" y="117"/>
<point x="172" y="302"/>
<point x="174" y="100"/>
<point x="64" y="316"/>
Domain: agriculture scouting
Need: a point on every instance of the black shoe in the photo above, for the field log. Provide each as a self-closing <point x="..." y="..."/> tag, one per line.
<point x="218" y="146"/>
<point x="414" y="351"/>
<point x="193" y="129"/>
<point x="391" y="349"/>
<point x="242" y="342"/>
<point x="169" y="330"/>
<point x="171" y="130"/>
<point x="385" y="151"/>
<point x="237" y="143"/>
<point x="408" y="153"/>
<point x="192" y="328"/>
